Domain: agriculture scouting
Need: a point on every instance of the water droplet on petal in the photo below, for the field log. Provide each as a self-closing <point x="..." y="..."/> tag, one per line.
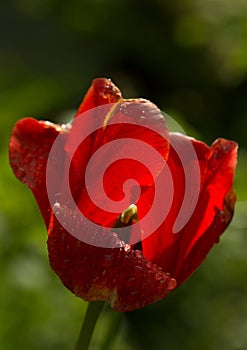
<point x="21" y="173"/>
<point x="149" y="264"/>
<point x="159" y="275"/>
<point x="138" y="254"/>
<point x="28" y="157"/>
<point x="39" y="166"/>
<point x="172" y="284"/>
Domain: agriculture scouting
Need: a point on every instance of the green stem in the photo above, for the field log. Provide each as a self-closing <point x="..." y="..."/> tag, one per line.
<point x="93" y="311"/>
<point x="113" y="330"/>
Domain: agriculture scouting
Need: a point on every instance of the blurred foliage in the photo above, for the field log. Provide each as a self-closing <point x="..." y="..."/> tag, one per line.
<point x="190" y="58"/>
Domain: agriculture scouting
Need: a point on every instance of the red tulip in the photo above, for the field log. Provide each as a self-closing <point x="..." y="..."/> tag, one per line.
<point x="197" y="198"/>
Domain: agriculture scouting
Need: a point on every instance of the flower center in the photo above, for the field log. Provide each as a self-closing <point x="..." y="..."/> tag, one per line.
<point x="129" y="215"/>
<point x="126" y="219"/>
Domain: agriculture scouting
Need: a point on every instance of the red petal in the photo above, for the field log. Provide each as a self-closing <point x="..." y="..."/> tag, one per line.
<point x="102" y="91"/>
<point x="114" y="121"/>
<point x="173" y="251"/>
<point x="178" y="165"/>
<point x="29" y="148"/>
<point x="197" y="252"/>
<point x="120" y="276"/>
<point x="135" y="120"/>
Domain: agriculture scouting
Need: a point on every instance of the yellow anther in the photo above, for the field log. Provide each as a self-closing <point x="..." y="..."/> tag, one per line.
<point x="129" y="215"/>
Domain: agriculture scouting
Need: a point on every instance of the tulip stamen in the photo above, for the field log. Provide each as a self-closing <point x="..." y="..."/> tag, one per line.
<point x="126" y="219"/>
<point x="129" y="215"/>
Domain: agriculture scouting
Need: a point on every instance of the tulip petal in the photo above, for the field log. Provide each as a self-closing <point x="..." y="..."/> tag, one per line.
<point x="126" y="156"/>
<point x="29" y="148"/>
<point x="131" y="120"/>
<point x="102" y="91"/>
<point x="120" y="276"/>
<point x="179" y="252"/>
<point x="197" y="252"/>
<point x="214" y="210"/>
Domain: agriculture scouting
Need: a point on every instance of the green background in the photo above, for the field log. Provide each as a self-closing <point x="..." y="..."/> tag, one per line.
<point x="188" y="57"/>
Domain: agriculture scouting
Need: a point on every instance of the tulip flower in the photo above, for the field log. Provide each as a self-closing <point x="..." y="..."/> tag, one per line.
<point x="196" y="205"/>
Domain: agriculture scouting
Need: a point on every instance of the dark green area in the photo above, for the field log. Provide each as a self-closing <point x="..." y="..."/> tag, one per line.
<point x="190" y="58"/>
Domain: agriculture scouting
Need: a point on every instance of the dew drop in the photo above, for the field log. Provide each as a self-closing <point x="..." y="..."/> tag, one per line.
<point x="149" y="264"/>
<point x="28" y="157"/>
<point x="127" y="248"/>
<point x="123" y="108"/>
<point x="138" y="254"/>
<point x="21" y="173"/>
<point x="39" y="166"/>
<point x="66" y="126"/>
<point x="171" y="284"/>
<point x="159" y="275"/>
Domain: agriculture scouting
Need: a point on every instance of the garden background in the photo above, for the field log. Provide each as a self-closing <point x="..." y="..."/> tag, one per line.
<point x="188" y="57"/>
